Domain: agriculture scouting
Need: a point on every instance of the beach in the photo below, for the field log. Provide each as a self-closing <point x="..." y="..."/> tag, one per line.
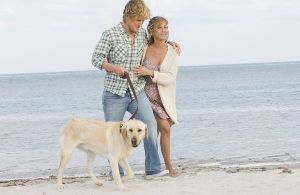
<point x="238" y="132"/>
<point x="206" y="178"/>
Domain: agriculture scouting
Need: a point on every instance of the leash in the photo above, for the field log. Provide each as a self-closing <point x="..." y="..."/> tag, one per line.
<point x="126" y="75"/>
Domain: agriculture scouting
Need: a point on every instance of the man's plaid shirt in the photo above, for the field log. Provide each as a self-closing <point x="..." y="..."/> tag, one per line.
<point x="116" y="46"/>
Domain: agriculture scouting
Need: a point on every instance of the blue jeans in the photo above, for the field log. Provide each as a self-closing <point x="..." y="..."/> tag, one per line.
<point x="115" y="106"/>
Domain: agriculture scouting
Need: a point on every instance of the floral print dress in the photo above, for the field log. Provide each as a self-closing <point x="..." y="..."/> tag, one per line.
<point x="152" y="93"/>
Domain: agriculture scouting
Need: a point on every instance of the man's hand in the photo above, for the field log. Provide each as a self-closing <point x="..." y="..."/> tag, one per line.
<point x="113" y="68"/>
<point x="175" y="46"/>
<point x="119" y="70"/>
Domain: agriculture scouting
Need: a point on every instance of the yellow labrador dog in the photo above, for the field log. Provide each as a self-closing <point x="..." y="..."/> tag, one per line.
<point x="112" y="140"/>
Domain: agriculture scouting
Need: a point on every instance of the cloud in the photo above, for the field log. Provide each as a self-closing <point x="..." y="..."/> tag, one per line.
<point x="172" y="6"/>
<point x="6" y="25"/>
<point x="280" y="4"/>
<point x="6" y="15"/>
<point x="6" y="11"/>
<point x="216" y="31"/>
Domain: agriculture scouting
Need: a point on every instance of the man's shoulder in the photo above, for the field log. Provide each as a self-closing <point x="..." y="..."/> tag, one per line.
<point x="143" y="31"/>
<point x="117" y="27"/>
<point x="142" y="35"/>
<point x="113" y="29"/>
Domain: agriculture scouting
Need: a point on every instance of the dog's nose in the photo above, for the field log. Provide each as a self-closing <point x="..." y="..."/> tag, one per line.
<point x="133" y="139"/>
<point x="134" y="142"/>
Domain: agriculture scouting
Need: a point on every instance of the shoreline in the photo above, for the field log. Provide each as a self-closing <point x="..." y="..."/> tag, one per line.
<point x="184" y="166"/>
<point x="195" y="179"/>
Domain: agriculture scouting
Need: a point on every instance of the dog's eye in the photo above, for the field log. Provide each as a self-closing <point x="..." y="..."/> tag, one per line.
<point x="140" y="130"/>
<point x="130" y="130"/>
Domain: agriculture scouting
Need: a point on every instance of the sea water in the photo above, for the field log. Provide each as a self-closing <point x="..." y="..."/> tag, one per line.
<point x="239" y="111"/>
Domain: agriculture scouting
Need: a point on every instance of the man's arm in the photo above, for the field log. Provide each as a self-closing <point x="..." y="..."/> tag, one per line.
<point x="99" y="59"/>
<point x="113" y="68"/>
<point x="101" y="51"/>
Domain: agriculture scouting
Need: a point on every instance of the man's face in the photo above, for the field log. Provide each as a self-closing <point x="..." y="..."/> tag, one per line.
<point x="134" y="25"/>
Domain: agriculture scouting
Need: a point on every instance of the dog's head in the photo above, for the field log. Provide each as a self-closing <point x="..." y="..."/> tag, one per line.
<point x="133" y="131"/>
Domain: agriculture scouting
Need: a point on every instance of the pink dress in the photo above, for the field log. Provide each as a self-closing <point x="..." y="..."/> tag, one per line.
<point x="152" y="93"/>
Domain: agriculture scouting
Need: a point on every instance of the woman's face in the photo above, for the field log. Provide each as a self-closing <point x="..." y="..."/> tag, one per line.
<point x="161" y="31"/>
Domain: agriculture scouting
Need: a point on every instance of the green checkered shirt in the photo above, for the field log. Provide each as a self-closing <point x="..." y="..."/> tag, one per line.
<point x="116" y="46"/>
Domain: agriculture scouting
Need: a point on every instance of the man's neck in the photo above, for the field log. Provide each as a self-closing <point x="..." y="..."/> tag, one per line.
<point x="130" y="33"/>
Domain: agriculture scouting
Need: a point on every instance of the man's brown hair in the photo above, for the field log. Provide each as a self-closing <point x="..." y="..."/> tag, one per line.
<point x="136" y="9"/>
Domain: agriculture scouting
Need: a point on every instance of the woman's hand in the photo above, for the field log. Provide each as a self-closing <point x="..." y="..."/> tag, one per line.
<point x="142" y="71"/>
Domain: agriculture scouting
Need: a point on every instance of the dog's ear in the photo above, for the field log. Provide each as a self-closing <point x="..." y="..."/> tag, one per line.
<point x="124" y="133"/>
<point x="123" y="130"/>
<point x="146" y="131"/>
<point x="122" y="126"/>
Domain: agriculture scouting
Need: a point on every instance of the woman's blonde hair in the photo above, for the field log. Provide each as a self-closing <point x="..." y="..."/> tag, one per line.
<point x="136" y="9"/>
<point x="152" y="24"/>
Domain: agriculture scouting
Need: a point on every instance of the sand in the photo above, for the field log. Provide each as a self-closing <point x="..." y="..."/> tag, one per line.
<point x="206" y="178"/>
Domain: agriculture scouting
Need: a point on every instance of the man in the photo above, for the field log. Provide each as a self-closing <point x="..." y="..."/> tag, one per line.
<point x="123" y="46"/>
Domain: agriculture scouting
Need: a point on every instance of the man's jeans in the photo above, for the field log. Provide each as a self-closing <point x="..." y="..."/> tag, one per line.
<point x="115" y="106"/>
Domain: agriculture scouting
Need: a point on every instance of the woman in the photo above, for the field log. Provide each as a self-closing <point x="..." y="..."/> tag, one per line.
<point x="160" y="71"/>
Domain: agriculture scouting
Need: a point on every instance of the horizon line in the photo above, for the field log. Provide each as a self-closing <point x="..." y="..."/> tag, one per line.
<point x="203" y="65"/>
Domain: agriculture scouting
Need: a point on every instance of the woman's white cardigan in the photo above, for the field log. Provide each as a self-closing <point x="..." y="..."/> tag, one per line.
<point x="166" y="82"/>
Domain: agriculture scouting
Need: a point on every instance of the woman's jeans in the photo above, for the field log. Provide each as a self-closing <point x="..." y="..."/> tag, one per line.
<point x="115" y="106"/>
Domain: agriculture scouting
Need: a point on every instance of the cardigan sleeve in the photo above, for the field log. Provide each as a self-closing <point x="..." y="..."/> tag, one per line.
<point x="167" y="76"/>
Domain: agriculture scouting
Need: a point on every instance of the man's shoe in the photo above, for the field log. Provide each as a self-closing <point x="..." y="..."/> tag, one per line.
<point x="160" y="174"/>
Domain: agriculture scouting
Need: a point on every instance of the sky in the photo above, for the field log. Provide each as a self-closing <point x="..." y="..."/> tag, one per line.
<point x="60" y="35"/>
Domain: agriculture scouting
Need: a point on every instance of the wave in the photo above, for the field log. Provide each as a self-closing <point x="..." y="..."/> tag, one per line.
<point x="250" y="109"/>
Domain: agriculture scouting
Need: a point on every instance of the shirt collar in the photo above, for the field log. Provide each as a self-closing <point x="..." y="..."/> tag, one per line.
<point x="122" y="30"/>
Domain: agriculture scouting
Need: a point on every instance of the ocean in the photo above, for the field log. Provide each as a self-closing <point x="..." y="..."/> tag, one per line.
<point x="225" y="112"/>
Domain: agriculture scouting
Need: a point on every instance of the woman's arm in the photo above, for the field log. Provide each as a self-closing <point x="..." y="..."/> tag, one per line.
<point x="166" y="77"/>
<point x="160" y="77"/>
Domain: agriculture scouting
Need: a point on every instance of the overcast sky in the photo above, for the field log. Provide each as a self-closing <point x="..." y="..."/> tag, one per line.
<point x="60" y="35"/>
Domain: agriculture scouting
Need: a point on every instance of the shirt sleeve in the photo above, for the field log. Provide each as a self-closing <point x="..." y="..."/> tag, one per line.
<point x="101" y="51"/>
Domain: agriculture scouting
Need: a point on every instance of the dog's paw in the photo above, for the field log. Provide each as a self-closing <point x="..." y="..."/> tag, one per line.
<point x="121" y="187"/>
<point x="127" y="177"/>
<point x="60" y="188"/>
<point x="98" y="182"/>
